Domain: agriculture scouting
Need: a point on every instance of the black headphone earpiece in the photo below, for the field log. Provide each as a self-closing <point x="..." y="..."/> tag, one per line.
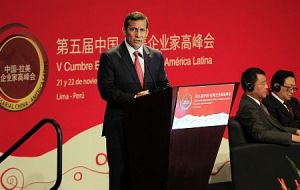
<point x="249" y="85"/>
<point x="277" y="87"/>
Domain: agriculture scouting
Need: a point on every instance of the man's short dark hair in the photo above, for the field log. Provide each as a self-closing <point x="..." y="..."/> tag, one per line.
<point x="280" y="76"/>
<point x="135" y="16"/>
<point x="249" y="77"/>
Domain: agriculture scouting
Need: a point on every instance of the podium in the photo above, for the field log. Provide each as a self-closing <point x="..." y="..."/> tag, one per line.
<point x="161" y="158"/>
<point x="147" y="125"/>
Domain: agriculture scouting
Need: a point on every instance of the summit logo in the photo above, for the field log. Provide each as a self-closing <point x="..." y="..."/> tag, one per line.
<point x="23" y="67"/>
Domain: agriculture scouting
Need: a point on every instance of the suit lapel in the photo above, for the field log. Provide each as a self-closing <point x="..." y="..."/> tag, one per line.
<point x="147" y="65"/>
<point x="273" y="120"/>
<point x="281" y="107"/>
<point x="269" y="117"/>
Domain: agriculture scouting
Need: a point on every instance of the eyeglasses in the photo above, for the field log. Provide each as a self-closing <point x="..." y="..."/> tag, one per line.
<point x="291" y="88"/>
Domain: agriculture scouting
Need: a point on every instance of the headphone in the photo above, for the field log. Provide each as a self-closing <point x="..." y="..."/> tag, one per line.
<point x="249" y="85"/>
<point x="277" y="87"/>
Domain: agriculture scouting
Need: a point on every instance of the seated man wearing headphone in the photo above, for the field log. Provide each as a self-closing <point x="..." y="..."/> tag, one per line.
<point x="254" y="117"/>
<point x="280" y="102"/>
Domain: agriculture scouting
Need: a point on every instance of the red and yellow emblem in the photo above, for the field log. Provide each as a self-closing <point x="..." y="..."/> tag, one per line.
<point x="23" y="70"/>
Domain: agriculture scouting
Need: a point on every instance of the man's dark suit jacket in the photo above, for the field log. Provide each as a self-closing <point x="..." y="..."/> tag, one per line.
<point x="118" y="81"/>
<point x="261" y="127"/>
<point x="281" y="113"/>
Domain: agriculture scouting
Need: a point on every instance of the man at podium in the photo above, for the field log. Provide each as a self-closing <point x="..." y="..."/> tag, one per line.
<point x="127" y="71"/>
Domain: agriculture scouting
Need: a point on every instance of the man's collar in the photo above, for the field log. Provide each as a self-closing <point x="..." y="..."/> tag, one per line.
<point x="277" y="97"/>
<point x="256" y="100"/>
<point x="131" y="50"/>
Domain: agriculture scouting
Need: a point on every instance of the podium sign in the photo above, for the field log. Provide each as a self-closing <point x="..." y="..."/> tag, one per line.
<point x="173" y="136"/>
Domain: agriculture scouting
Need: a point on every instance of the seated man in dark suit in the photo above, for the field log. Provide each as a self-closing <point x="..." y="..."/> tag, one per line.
<point x="257" y="122"/>
<point x="280" y="102"/>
